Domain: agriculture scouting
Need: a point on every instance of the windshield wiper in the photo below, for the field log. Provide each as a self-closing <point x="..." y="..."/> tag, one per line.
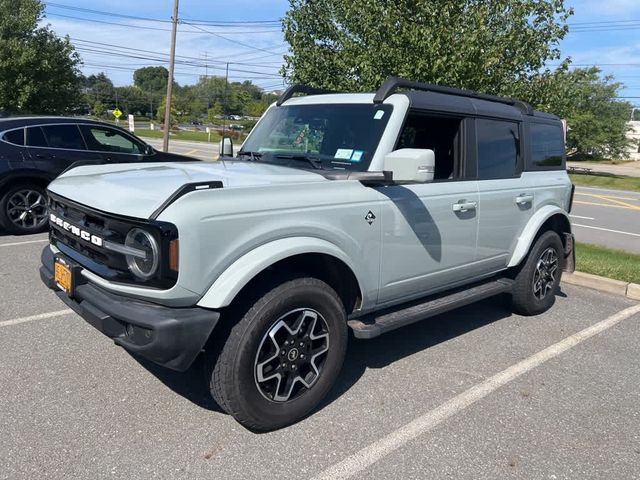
<point x="315" y="162"/>
<point x="252" y="155"/>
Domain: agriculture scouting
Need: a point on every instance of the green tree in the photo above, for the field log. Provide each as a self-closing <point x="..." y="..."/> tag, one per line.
<point x="173" y="120"/>
<point x="480" y="45"/>
<point x="99" y="88"/>
<point x="132" y="100"/>
<point x="38" y="70"/>
<point x="151" y="79"/>
<point x="214" y="112"/>
<point x="99" y="109"/>
<point x="596" y="118"/>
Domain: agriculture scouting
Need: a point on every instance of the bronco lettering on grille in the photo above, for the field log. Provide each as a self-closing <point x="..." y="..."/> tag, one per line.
<point x="74" y="230"/>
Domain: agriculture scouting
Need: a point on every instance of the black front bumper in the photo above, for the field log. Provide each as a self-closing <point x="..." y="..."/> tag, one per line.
<point x="169" y="336"/>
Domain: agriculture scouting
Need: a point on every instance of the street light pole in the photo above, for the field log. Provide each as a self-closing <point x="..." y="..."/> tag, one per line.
<point x="172" y="60"/>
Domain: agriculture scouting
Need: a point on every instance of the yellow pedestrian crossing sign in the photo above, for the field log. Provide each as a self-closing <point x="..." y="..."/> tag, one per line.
<point x="117" y="113"/>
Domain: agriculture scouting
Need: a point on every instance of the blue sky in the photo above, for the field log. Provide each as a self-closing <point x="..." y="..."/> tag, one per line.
<point x="614" y="46"/>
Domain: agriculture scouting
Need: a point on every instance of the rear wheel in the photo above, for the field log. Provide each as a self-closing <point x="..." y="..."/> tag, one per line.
<point x="282" y="358"/>
<point x="536" y="283"/>
<point x="23" y="209"/>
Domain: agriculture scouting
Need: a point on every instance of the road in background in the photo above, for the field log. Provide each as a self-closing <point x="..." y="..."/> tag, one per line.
<point x="610" y="218"/>
<point x="202" y="150"/>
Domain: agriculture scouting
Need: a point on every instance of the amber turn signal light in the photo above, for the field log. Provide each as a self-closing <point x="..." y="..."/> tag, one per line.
<point x="173" y="255"/>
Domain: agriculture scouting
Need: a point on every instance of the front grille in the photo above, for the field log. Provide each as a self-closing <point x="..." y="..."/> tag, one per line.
<point x="110" y="228"/>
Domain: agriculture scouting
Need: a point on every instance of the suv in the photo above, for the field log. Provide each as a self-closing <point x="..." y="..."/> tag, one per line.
<point x="341" y="211"/>
<point x="35" y="150"/>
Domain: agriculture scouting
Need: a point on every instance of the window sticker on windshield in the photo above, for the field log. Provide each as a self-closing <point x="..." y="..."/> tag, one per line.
<point x="379" y="114"/>
<point x="344" y="153"/>
<point x="357" y="155"/>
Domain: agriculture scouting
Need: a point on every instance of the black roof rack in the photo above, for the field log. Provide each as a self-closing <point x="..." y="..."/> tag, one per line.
<point x="391" y="84"/>
<point x="293" y="89"/>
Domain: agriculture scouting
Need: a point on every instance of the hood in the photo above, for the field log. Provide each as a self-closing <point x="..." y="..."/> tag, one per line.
<point x="138" y="189"/>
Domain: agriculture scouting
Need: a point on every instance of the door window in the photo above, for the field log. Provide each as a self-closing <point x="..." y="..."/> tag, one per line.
<point x="108" y="140"/>
<point x="498" y="148"/>
<point x="35" y="137"/>
<point x="63" y="136"/>
<point x="440" y="134"/>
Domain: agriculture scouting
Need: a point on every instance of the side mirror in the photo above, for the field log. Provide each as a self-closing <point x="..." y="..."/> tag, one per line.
<point x="226" y="147"/>
<point x="411" y="165"/>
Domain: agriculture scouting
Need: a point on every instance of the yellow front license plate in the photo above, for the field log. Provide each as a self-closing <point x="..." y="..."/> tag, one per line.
<point x="63" y="276"/>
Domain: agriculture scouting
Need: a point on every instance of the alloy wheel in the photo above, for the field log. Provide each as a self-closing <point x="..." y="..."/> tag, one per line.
<point x="544" y="276"/>
<point x="27" y="209"/>
<point x="291" y="355"/>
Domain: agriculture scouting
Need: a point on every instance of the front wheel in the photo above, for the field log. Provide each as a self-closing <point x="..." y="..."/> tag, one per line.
<point x="536" y="283"/>
<point x="282" y="358"/>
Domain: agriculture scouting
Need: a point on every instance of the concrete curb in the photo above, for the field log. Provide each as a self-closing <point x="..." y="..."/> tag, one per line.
<point x="603" y="284"/>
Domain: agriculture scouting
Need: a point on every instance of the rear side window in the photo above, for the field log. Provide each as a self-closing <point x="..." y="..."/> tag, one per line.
<point x="498" y="149"/>
<point x="547" y="145"/>
<point x="14" y="136"/>
<point x="35" y="137"/>
<point x="64" y="136"/>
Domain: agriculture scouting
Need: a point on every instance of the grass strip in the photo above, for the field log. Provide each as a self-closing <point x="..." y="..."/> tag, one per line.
<point x="608" y="262"/>
<point x="619" y="182"/>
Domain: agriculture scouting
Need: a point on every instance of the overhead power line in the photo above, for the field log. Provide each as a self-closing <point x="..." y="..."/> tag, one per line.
<point x="220" y="23"/>
<point x="116" y="49"/>
<point x="157" y="29"/>
<point x="227" y="39"/>
<point x="602" y="22"/>
<point x="98" y="66"/>
<point x="272" y="74"/>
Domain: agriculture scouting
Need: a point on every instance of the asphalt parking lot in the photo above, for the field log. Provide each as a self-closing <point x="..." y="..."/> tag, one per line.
<point x="476" y="393"/>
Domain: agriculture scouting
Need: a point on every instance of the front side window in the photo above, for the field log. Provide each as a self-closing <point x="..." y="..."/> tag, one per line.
<point x="440" y="134"/>
<point x="547" y="145"/>
<point x="108" y="140"/>
<point x="333" y="135"/>
<point x="498" y="148"/>
<point x="63" y="136"/>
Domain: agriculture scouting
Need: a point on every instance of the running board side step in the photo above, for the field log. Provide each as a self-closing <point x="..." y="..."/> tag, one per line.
<point x="387" y="320"/>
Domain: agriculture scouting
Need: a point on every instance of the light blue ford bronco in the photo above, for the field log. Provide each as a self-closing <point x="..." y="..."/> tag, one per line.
<point x="361" y="212"/>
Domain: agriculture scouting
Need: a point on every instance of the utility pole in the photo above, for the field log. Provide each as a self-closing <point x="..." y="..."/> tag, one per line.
<point x="172" y="61"/>
<point x="226" y="96"/>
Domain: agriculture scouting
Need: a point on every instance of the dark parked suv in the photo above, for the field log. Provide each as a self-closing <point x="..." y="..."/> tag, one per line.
<point x="35" y="150"/>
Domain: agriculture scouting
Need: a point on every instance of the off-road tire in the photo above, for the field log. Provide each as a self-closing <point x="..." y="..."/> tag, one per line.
<point x="232" y="368"/>
<point x="523" y="299"/>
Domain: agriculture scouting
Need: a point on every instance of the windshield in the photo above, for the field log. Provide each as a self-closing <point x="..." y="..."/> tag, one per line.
<point x="332" y="135"/>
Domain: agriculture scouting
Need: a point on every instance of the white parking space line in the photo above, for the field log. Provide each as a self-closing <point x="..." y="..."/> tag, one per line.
<point x="369" y="455"/>
<point x="23" y="243"/>
<point x="42" y="316"/>
<point x="607" y="230"/>
<point x="582" y="218"/>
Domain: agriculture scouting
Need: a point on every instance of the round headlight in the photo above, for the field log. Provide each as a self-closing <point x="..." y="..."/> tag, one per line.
<point x="142" y="266"/>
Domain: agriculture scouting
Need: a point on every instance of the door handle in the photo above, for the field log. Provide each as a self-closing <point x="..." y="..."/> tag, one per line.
<point x="42" y="155"/>
<point x="464" y="206"/>
<point x="524" y="198"/>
